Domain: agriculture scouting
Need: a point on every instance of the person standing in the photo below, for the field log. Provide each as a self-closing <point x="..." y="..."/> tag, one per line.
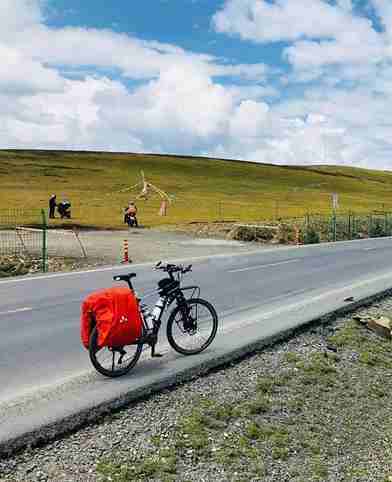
<point x="52" y="206"/>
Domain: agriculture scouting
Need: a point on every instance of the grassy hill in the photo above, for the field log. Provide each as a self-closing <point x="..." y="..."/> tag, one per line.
<point x="204" y="189"/>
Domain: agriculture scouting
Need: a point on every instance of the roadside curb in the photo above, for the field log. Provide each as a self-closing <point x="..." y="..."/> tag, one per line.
<point x="69" y="424"/>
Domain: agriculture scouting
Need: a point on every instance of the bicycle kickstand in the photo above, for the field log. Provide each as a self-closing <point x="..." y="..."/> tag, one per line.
<point x="153" y="354"/>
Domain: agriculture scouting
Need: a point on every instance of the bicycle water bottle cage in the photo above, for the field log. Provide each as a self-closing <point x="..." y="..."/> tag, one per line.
<point x="167" y="286"/>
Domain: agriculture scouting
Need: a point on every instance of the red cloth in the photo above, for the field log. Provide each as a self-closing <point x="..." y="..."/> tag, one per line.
<point x="117" y="316"/>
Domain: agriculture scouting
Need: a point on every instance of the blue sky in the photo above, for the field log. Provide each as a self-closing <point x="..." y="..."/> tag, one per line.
<point x="282" y="81"/>
<point x="186" y="23"/>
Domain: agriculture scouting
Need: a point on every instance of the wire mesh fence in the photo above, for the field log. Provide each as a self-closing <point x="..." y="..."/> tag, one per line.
<point x="21" y="232"/>
<point x="345" y="226"/>
<point x="65" y="243"/>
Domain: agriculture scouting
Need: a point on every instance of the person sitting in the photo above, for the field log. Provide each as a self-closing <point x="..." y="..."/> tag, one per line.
<point x="64" y="209"/>
<point x="130" y="215"/>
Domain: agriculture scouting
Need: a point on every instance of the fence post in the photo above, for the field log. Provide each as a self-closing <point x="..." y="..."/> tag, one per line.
<point x="219" y="210"/>
<point x="334" y="225"/>
<point x="296" y="234"/>
<point x="44" y="241"/>
<point x="349" y="226"/>
<point x="385" y="224"/>
<point x="307" y="222"/>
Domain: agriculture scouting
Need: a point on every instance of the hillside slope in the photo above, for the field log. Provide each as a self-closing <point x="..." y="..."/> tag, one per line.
<point x="204" y="189"/>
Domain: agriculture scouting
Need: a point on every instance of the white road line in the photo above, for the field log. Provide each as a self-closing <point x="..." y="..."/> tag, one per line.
<point x="287" y="295"/>
<point x="63" y="275"/>
<point x="341" y="291"/>
<point x="192" y="258"/>
<point x="130" y="267"/>
<point x="19" y="310"/>
<point x="262" y="266"/>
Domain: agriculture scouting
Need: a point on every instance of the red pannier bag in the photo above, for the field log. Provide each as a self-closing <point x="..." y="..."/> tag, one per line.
<point x="116" y="313"/>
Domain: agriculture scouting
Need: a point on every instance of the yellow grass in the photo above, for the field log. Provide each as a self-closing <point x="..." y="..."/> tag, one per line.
<point x="204" y="189"/>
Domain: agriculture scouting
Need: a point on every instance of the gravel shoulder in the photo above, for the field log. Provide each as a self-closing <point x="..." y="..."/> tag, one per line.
<point x="316" y="407"/>
<point x="106" y="247"/>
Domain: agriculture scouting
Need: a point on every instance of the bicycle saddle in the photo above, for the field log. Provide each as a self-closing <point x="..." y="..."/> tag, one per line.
<point x="124" y="277"/>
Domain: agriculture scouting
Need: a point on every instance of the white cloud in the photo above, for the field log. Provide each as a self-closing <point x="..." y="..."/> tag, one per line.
<point x="346" y="5"/>
<point x="19" y="15"/>
<point x="322" y="33"/>
<point x="384" y="10"/>
<point x="264" y="21"/>
<point x="248" y="120"/>
<point x="103" y="48"/>
<point x="20" y="74"/>
<point x="68" y="87"/>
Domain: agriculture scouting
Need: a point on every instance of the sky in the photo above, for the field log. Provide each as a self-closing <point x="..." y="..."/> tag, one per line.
<point x="276" y="81"/>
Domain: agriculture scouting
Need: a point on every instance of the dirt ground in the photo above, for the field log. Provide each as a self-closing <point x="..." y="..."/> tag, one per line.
<point x="69" y="250"/>
<point x="107" y="247"/>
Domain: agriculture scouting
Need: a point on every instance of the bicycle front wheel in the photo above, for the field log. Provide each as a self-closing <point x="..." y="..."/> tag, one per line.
<point x="192" y="326"/>
<point x="113" y="362"/>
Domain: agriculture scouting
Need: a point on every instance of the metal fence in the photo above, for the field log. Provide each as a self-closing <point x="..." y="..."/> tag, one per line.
<point x="345" y="226"/>
<point x="23" y="234"/>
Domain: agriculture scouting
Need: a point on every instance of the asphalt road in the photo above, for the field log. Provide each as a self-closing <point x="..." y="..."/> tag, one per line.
<point x="45" y="373"/>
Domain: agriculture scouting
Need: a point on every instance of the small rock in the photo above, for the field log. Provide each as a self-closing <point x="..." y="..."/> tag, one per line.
<point x="381" y="326"/>
<point x="363" y="319"/>
<point x="331" y="348"/>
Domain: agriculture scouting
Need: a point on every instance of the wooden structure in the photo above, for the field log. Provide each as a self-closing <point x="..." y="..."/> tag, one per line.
<point x="147" y="189"/>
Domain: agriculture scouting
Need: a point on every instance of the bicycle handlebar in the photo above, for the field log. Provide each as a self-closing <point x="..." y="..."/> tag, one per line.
<point x="172" y="268"/>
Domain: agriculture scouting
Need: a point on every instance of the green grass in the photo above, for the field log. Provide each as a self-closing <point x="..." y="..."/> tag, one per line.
<point x="204" y="189"/>
<point x="373" y="351"/>
<point x="304" y="433"/>
<point x="162" y="465"/>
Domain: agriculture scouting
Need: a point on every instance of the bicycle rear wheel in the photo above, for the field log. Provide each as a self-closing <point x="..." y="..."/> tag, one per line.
<point x="191" y="327"/>
<point x="113" y="362"/>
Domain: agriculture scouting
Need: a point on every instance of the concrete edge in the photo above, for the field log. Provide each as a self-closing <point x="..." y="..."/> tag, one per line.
<point x="72" y="423"/>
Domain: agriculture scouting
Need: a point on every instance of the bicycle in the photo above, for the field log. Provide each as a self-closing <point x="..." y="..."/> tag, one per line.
<point x="184" y="324"/>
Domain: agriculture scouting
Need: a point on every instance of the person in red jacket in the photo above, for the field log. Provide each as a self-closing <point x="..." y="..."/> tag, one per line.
<point x="130" y="215"/>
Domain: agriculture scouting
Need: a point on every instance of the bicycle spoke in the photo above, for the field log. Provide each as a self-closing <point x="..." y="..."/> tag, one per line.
<point x="115" y="361"/>
<point x="192" y="330"/>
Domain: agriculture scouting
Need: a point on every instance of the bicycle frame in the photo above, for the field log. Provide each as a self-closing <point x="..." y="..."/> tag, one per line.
<point x="162" y="304"/>
<point x="173" y="293"/>
<point x="195" y="289"/>
<point x="168" y="300"/>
